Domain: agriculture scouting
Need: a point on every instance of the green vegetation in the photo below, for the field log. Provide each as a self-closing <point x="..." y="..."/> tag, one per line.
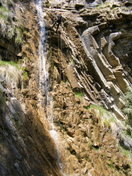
<point x="4" y="13"/>
<point x="111" y="164"/>
<point x="11" y="28"/>
<point x="128" y="106"/>
<point x="79" y="94"/>
<point x="126" y="152"/>
<point x="15" y="64"/>
<point x="99" y="6"/>
<point x="127" y="131"/>
<point x="25" y="76"/>
<point x="11" y="32"/>
<point x="107" y="117"/>
<point x="109" y="120"/>
<point x="106" y="4"/>
<point x="101" y="109"/>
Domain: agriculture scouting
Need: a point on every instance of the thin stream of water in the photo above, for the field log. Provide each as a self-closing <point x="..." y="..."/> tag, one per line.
<point x="44" y="84"/>
<point x="43" y="66"/>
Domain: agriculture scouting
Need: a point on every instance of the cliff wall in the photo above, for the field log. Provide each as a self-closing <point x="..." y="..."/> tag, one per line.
<point x="89" y="60"/>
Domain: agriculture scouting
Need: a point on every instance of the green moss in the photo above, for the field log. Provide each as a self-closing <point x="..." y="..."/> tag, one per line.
<point x="15" y="64"/>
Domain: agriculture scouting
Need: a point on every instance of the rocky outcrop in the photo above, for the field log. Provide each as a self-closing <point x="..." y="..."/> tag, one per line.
<point x="86" y="46"/>
<point x="92" y="52"/>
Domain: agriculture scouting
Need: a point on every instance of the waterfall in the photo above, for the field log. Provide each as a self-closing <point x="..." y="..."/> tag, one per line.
<point x="43" y="66"/>
<point x="44" y="83"/>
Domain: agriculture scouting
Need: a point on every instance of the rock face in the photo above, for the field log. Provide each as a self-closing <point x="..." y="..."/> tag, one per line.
<point x="95" y="52"/>
<point x="89" y="60"/>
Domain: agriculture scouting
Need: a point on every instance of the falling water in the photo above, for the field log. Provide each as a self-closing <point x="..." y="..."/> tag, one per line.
<point x="43" y="72"/>
<point x="44" y="75"/>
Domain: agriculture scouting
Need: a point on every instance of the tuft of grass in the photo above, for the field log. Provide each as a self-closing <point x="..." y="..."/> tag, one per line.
<point x="127" y="153"/>
<point x="79" y="94"/>
<point x="107" y="116"/>
<point x="101" y="109"/>
<point x="15" y="64"/>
